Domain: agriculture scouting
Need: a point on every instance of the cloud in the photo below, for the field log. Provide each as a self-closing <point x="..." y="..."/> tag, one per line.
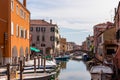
<point x="74" y="14"/>
<point x="64" y="11"/>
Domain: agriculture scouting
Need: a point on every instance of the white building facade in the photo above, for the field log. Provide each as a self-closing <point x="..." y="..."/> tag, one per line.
<point x="45" y="36"/>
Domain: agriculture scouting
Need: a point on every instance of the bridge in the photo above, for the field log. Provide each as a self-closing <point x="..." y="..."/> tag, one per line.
<point x="85" y="51"/>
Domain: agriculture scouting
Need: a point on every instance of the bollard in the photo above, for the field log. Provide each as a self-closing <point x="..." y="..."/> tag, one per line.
<point x="8" y="71"/>
<point x="35" y="65"/>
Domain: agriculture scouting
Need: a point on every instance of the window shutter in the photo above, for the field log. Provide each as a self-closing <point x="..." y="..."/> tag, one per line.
<point x="28" y="34"/>
<point x="12" y="28"/>
<point x="20" y="32"/>
<point x="17" y="30"/>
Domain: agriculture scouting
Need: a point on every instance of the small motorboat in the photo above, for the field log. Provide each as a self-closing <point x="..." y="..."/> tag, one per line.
<point x="101" y="72"/>
<point x="77" y="57"/>
<point x="63" y="58"/>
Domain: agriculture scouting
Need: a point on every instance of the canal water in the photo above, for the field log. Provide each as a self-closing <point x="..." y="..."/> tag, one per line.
<point x="73" y="70"/>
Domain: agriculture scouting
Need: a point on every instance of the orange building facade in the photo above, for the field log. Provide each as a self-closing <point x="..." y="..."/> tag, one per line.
<point x="14" y="31"/>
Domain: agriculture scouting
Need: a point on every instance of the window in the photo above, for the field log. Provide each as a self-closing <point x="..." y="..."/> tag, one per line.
<point x="21" y="13"/>
<point x="37" y="29"/>
<point x="52" y="38"/>
<point x="12" y="28"/>
<point x="33" y="44"/>
<point x="17" y="29"/>
<point x="24" y="15"/>
<point x="17" y="9"/>
<point x="42" y="45"/>
<point x="38" y="38"/>
<point x="21" y="33"/>
<point x="110" y="51"/>
<point x="52" y="29"/>
<point x="57" y="31"/>
<point x="25" y="34"/>
<point x="43" y="38"/>
<point x="12" y="5"/>
<point x="43" y="29"/>
<point x="100" y="51"/>
<point x="31" y="28"/>
<point x="118" y="34"/>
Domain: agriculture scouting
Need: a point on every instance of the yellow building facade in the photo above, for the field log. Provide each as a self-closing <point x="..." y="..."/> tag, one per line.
<point x="14" y="31"/>
<point x="63" y="45"/>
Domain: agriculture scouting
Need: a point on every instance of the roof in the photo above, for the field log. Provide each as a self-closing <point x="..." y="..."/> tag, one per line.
<point x="41" y="23"/>
<point x="104" y="25"/>
<point x="23" y="6"/>
<point x="101" y="24"/>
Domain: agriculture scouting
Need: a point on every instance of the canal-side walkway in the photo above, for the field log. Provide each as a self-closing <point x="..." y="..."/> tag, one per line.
<point x="37" y="76"/>
<point x="30" y="72"/>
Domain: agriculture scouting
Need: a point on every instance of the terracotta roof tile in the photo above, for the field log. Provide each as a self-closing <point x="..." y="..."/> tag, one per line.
<point x="41" y="23"/>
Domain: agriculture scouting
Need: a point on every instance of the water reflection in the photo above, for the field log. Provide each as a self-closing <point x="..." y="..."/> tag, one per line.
<point x="63" y="64"/>
<point x="73" y="70"/>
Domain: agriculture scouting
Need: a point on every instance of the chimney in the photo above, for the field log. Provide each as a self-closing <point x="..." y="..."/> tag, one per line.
<point x="50" y="21"/>
<point x="24" y="3"/>
<point x="115" y="11"/>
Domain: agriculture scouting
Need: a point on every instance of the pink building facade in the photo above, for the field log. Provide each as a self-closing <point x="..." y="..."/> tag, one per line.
<point x="117" y="25"/>
<point x="98" y="30"/>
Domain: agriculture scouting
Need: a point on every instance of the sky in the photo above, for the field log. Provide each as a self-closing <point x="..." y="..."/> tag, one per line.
<point x="75" y="18"/>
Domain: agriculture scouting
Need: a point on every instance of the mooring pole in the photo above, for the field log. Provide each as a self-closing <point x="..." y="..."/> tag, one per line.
<point x="8" y="71"/>
<point x="35" y="65"/>
<point x="21" y="70"/>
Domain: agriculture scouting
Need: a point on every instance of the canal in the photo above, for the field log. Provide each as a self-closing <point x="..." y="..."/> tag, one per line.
<point x="73" y="70"/>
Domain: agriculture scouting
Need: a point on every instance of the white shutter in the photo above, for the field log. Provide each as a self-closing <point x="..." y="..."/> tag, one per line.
<point x="28" y="34"/>
<point x="20" y="32"/>
<point x="17" y="30"/>
<point x="12" y="28"/>
<point x="12" y="5"/>
<point x="17" y="9"/>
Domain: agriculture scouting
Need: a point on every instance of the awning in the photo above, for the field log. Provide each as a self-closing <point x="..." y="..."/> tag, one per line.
<point x="34" y="49"/>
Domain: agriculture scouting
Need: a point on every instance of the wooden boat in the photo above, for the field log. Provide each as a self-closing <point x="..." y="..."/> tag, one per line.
<point x="63" y="58"/>
<point x="77" y="58"/>
<point x="85" y="57"/>
<point x="101" y="73"/>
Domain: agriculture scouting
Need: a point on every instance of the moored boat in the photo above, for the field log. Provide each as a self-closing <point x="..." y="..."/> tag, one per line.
<point x="77" y="57"/>
<point x="101" y="73"/>
<point x="64" y="58"/>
